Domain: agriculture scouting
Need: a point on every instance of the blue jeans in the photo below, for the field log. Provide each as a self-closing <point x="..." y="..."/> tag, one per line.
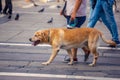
<point x="80" y="20"/>
<point x="103" y="9"/>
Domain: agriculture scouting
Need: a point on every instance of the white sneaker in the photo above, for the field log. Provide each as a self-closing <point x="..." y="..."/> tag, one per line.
<point x="70" y="27"/>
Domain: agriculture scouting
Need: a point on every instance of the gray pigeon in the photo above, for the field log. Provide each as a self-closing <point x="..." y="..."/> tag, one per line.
<point x="41" y="10"/>
<point x="50" y="21"/>
<point x="17" y="16"/>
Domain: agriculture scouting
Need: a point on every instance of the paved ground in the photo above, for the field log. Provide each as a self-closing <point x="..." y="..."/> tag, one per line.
<point x="19" y="60"/>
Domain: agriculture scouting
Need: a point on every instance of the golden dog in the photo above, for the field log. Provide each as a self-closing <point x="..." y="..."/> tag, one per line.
<point x="61" y="38"/>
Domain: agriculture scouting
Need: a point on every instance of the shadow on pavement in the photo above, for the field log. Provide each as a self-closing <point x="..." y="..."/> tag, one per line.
<point x="4" y="19"/>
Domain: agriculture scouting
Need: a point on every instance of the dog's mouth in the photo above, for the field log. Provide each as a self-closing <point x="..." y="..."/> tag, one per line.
<point x="36" y="42"/>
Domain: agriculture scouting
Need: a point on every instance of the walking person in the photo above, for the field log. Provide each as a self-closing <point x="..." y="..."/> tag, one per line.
<point x="8" y="8"/>
<point x="0" y="6"/>
<point x="75" y="14"/>
<point x="103" y="9"/>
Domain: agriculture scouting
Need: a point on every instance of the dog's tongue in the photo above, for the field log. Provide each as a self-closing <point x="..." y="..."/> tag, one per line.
<point x="35" y="43"/>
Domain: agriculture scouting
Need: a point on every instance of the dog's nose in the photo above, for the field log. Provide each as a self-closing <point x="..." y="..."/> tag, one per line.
<point x="30" y="39"/>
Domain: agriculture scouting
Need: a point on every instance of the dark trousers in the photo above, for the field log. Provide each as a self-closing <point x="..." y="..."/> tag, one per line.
<point x="8" y="7"/>
<point x="0" y="5"/>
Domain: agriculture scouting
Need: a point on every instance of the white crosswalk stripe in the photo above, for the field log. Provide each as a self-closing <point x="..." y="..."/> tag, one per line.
<point x="23" y="44"/>
<point x="54" y="76"/>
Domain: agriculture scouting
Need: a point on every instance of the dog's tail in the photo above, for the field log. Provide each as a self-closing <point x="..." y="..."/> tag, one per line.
<point x="107" y="41"/>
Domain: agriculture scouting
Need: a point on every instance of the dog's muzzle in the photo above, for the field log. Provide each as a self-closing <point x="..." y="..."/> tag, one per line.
<point x="30" y="39"/>
<point x="34" y="42"/>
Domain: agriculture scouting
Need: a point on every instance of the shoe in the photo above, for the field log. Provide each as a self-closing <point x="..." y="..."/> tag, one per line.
<point x="5" y="13"/>
<point x="86" y="57"/>
<point x="118" y="43"/>
<point x="9" y="17"/>
<point x="72" y="24"/>
<point x="68" y="59"/>
<point x="70" y="27"/>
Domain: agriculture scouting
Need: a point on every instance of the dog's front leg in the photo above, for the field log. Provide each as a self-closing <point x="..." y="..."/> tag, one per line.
<point x="53" y="55"/>
<point x="71" y="56"/>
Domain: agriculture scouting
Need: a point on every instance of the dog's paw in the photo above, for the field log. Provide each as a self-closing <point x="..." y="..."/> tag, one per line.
<point x="45" y="63"/>
<point x="91" y="65"/>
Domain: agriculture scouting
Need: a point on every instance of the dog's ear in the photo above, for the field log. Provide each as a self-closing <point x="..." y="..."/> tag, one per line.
<point x="45" y="33"/>
<point x="36" y="33"/>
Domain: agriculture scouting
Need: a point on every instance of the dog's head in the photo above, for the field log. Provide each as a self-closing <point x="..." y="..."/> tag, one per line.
<point x="39" y="37"/>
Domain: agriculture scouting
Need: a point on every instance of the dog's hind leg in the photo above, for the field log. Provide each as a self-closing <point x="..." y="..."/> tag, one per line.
<point x="95" y="56"/>
<point x="70" y="55"/>
<point x="92" y="44"/>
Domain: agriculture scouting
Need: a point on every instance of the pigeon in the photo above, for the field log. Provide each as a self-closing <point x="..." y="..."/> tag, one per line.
<point x="50" y="21"/>
<point x="35" y="5"/>
<point x="17" y="16"/>
<point x="41" y="10"/>
<point x="58" y="6"/>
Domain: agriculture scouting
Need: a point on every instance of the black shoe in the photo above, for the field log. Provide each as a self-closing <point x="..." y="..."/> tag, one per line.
<point x="111" y="46"/>
<point x="86" y="57"/>
<point x="9" y="17"/>
<point x="118" y="43"/>
<point x="5" y="13"/>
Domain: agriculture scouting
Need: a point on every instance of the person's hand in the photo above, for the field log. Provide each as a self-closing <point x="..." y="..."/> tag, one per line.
<point x="73" y="16"/>
<point x="61" y="12"/>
